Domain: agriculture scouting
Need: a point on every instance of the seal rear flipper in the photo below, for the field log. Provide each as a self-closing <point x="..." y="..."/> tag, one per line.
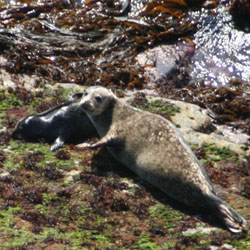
<point x="230" y="218"/>
<point x="58" y="143"/>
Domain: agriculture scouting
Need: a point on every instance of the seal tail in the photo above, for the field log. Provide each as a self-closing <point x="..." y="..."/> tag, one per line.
<point x="229" y="217"/>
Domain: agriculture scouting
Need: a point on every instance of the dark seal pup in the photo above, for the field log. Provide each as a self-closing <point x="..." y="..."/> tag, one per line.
<point x="64" y="124"/>
<point x="153" y="148"/>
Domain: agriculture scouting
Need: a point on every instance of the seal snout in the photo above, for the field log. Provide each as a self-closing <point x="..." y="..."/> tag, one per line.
<point x="86" y="105"/>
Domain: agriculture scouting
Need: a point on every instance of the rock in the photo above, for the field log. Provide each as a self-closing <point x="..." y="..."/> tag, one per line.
<point x="8" y="80"/>
<point x="235" y="136"/>
<point x="223" y="247"/>
<point x="4" y="174"/>
<point x="69" y="176"/>
<point x="167" y="64"/>
<point x="200" y="229"/>
<point x="190" y="118"/>
<point x="72" y="86"/>
<point x="196" y="126"/>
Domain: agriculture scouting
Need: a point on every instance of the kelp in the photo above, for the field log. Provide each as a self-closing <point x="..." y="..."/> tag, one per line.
<point x="65" y="42"/>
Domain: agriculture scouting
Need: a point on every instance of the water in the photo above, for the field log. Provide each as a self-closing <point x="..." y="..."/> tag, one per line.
<point x="222" y="51"/>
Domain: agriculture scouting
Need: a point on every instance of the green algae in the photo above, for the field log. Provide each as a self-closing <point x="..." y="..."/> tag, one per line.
<point x="158" y="106"/>
<point x="162" y="212"/>
<point x="17" y="149"/>
<point x="145" y="243"/>
<point x="215" y="153"/>
<point x="8" y="101"/>
<point x="8" y="230"/>
<point x="20" y="98"/>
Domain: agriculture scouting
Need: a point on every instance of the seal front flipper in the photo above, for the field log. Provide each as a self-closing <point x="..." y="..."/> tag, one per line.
<point x="58" y="143"/>
<point x="108" y="140"/>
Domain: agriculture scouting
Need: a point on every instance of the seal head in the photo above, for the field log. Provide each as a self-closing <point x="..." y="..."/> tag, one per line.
<point x="97" y="100"/>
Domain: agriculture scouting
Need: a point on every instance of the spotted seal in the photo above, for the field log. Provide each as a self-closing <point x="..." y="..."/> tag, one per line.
<point x="154" y="149"/>
<point x="64" y="124"/>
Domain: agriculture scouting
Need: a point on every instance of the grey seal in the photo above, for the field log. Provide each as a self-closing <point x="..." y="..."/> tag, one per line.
<point x="63" y="124"/>
<point x="154" y="149"/>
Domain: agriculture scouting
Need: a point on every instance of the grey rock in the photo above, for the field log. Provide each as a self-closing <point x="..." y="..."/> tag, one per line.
<point x="197" y="128"/>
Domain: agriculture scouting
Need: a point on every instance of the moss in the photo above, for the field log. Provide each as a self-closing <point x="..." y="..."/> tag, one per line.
<point x="158" y="106"/>
<point x="78" y="238"/>
<point x="145" y="243"/>
<point x="214" y="153"/>
<point x="18" y="149"/>
<point x="9" y="101"/>
<point x="241" y="244"/>
<point x="7" y="216"/>
<point x="160" y="211"/>
<point x="23" y="98"/>
<point x="168" y="245"/>
<point x="49" y="198"/>
<point x="64" y="93"/>
<point x="42" y="209"/>
<point x="9" y="231"/>
<point x="22" y="238"/>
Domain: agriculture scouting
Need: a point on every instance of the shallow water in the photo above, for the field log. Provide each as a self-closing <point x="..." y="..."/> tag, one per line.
<point x="222" y="50"/>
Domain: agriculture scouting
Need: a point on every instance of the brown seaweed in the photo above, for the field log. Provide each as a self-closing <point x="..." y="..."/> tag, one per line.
<point x="55" y="39"/>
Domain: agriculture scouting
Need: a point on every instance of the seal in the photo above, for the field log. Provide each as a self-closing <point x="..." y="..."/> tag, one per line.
<point x="64" y="124"/>
<point x="154" y="149"/>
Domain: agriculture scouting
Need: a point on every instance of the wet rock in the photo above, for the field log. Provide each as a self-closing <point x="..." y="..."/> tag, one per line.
<point x="222" y="51"/>
<point x="233" y="135"/>
<point x="166" y="64"/>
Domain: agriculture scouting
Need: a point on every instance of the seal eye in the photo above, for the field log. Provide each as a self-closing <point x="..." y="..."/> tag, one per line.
<point x="98" y="99"/>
